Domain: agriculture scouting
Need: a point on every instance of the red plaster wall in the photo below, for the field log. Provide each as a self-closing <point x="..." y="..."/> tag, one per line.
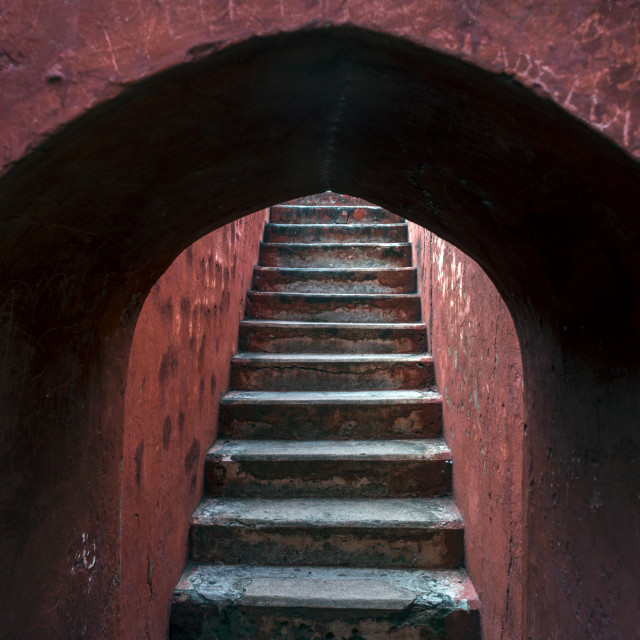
<point x="179" y="366"/>
<point x="59" y="57"/>
<point x="479" y="373"/>
<point x="485" y="164"/>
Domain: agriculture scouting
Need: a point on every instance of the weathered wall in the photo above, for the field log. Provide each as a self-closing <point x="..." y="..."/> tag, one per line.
<point x="479" y="373"/>
<point x="61" y="56"/>
<point x="179" y="366"/>
<point x="546" y="206"/>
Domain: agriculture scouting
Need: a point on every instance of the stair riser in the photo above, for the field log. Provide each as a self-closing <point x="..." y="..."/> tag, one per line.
<point x="327" y="376"/>
<point x="325" y="546"/>
<point x="334" y="421"/>
<point x="331" y="215"/>
<point x="328" y="478"/>
<point x="212" y="622"/>
<point x="282" y="306"/>
<point x="334" y="233"/>
<point x="282" y="255"/>
<point x="311" y="281"/>
<point x="349" y="339"/>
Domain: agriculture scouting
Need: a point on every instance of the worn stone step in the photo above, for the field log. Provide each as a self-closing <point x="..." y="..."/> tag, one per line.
<point x="334" y="307"/>
<point x="364" y="254"/>
<point x="328" y="468"/>
<point x="329" y="198"/>
<point x="281" y="336"/>
<point x="331" y="414"/>
<point x="415" y="532"/>
<point x="331" y="214"/>
<point x="328" y="372"/>
<point x="335" y="232"/>
<point x="243" y="602"/>
<point x="335" y="280"/>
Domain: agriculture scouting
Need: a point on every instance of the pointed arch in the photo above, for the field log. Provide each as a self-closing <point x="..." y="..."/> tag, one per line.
<point x="91" y="218"/>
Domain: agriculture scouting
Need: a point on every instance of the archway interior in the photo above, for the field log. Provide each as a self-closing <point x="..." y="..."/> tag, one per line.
<point x="93" y="217"/>
<point x="508" y="177"/>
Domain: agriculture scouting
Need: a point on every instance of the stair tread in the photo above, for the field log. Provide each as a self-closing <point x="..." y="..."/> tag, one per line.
<point x="342" y="513"/>
<point x="315" y="324"/>
<point x="385" y="396"/>
<point x="336" y="213"/>
<point x="328" y="587"/>
<point x="387" y="358"/>
<point x="337" y="245"/>
<point x="335" y="254"/>
<point x="329" y="206"/>
<point x="355" y="225"/>
<point x="330" y="270"/>
<point x="333" y="307"/>
<point x="361" y="450"/>
<point x="334" y="296"/>
<point x="328" y="198"/>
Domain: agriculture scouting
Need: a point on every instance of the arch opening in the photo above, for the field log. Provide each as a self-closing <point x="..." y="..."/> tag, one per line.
<point x="546" y="207"/>
<point x="175" y="333"/>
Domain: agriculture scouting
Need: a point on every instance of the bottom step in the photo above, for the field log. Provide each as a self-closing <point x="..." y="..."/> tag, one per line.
<point x="314" y="603"/>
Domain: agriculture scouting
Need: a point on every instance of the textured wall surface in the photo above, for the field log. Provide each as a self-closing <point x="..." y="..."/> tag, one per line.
<point x="179" y="367"/>
<point x="409" y="107"/>
<point x="59" y="57"/>
<point x="479" y="373"/>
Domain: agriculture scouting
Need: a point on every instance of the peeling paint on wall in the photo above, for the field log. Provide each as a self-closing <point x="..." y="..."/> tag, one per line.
<point x="478" y="365"/>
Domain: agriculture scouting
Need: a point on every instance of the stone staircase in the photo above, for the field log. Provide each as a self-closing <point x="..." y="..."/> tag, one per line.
<point x="328" y="513"/>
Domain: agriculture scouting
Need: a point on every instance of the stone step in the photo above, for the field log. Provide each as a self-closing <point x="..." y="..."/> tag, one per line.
<point x="332" y="280"/>
<point x="335" y="255"/>
<point x="413" y="533"/>
<point x="334" y="307"/>
<point x="328" y="468"/>
<point x="329" y="198"/>
<point x="243" y="602"/>
<point x="332" y="214"/>
<point x="335" y="232"/>
<point x="279" y="336"/>
<point x="331" y="414"/>
<point x="329" y="372"/>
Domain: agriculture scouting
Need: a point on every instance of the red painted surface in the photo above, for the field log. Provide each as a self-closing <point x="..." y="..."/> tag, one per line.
<point x="178" y="368"/>
<point x="89" y="220"/>
<point x="59" y="58"/>
<point x="479" y="373"/>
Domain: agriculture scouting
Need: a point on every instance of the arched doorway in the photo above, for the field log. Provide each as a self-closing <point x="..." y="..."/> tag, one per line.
<point x="546" y="207"/>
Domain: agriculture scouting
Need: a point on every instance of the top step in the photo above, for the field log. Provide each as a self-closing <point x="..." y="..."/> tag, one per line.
<point x="330" y="198"/>
<point x="323" y="214"/>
